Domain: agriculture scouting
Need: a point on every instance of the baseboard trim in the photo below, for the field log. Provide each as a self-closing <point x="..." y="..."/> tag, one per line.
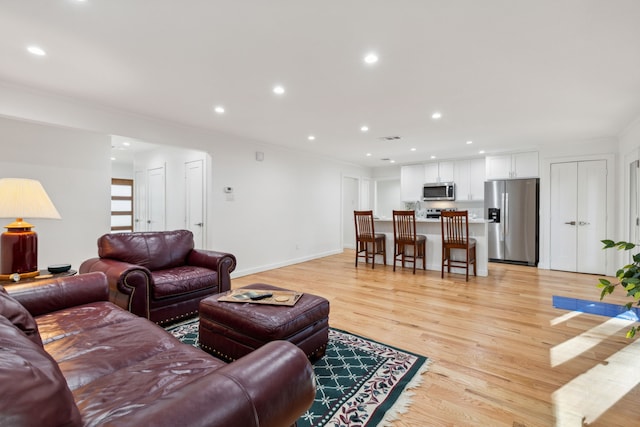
<point x="267" y="267"/>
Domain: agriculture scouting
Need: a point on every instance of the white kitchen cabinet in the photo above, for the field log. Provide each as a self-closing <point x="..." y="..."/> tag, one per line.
<point x="411" y="182"/>
<point x="514" y="165"/>
<point x="439" y="171"/>
<point x="469" y="179"/>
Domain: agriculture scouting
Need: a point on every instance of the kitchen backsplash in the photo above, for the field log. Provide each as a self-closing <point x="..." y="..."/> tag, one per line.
<point x="475" y="208"/>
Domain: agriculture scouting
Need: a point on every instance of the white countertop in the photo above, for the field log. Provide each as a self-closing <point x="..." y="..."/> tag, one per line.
<point x="471" y="220"/>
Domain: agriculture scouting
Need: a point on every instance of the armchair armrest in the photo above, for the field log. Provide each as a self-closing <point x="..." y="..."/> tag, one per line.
<point x="129" y="284"/>
<point x="270" y="387"/>
<point x="222" y="262"/>
<point x="48" y="295"/>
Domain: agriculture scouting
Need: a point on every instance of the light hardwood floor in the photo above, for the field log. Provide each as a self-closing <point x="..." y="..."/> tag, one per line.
<point x="501" y="354"/>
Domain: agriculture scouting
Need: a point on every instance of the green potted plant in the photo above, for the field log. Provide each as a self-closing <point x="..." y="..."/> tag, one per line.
<point x="628" y="278"/>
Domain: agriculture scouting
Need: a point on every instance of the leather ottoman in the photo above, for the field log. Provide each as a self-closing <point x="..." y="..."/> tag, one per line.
<point x="231" y="330"/>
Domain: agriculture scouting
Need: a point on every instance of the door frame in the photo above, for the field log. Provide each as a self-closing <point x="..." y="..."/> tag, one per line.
<point x="343" y="208"/>
<point x="545" y="205"/>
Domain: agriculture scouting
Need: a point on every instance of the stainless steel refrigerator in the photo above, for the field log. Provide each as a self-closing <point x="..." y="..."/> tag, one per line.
<point x="511" y="208"/>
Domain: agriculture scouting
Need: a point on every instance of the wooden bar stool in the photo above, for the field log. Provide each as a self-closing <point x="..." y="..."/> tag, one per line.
<point x="455" y="235"/>
<point x="366" y="237"/>
<point x="404" y="235"/>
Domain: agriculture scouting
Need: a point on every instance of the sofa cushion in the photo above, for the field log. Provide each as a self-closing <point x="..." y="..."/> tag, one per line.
<point x="75" y="337"/>
<point x="182" y="280"/>
<point x="35" y="393"/>
<point x="146" y="385"/>
<point x="19" y="316"/>
<point x="155" y="251"/>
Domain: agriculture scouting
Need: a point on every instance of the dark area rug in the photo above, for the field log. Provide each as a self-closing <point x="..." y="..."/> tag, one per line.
<point x="360" y="382"/>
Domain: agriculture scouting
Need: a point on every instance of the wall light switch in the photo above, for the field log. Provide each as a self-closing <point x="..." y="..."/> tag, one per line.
<point x="228" y="190"/>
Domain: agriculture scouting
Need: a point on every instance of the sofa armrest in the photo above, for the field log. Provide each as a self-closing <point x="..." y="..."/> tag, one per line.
<point x="222" y="262"/>
<point x="48" y="295"/>
<point x="129" y="284"/>
<point x="270" y="387"/>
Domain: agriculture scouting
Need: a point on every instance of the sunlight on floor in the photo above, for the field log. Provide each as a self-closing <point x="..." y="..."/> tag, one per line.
<point x="577" y="345"/>
<point x="565" y="317"/>
<point x="585" y="398"/>
<point x="589" y="395"/>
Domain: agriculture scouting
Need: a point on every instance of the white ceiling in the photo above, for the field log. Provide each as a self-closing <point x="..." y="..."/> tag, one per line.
<point x="505" y="74"/>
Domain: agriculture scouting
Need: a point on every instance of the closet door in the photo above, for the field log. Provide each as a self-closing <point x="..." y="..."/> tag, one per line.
<point x="591" y="216"/>
<point x="578" y="216"/>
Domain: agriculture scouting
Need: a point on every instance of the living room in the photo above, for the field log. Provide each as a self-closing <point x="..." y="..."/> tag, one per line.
<point x="287" y="208"/>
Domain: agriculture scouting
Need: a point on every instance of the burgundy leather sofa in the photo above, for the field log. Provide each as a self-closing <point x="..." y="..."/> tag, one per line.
<point x="68" y="357"/>
<point x="159" y="275"/>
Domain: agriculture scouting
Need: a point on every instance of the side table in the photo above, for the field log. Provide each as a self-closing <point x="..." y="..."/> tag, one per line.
<point x="44" y="274"/>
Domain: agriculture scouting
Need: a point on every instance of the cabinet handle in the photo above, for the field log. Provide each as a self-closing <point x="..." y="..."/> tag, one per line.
<point x="582" y="223"/>
<point x="570" y="223"/>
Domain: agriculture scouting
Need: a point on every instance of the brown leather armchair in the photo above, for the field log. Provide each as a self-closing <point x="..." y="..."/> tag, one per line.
<point x="159" y="275"/>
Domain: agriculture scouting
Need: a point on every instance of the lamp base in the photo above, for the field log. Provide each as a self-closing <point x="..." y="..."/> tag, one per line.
<point x="19" y="252"/>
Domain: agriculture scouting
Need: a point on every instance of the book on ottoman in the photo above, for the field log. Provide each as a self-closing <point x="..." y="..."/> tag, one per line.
<point x="262" y="296"/>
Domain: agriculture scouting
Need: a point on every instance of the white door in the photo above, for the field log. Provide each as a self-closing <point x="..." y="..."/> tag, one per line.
<point x="156" y="199"/>
<point x="578" y="216"/>
<point x="349" y="204"/>
<point x="592" y="216"/>
<point x="634" y="203"/>
<point x="194" y="198"/>
<point x="140" y="201"/>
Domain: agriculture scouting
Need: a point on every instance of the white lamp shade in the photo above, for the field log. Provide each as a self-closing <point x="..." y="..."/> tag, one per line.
<point x="25" y="198"/>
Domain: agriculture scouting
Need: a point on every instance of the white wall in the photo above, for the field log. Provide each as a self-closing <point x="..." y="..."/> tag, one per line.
<point x="286" y="208"/>
<point x="74" y="168"/>
<point x="388" y="197"/>
<point x="121" y="170"/>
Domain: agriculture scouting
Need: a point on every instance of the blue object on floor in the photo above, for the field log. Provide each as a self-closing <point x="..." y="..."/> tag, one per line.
<point x="596" y="307"/>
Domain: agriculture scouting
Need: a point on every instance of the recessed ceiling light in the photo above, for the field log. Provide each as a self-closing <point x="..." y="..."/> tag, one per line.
<point x="433" y="157"/>
<point x="481" y="152"/>
<point x="413" y="149"/>
<point x="113" y="158"/>
<point x="36" y="50"/>
<point x="371" y="58"/>
<point x="219" y="109"/>
<point x="364" y="128"/>
<point x="311" y="137"/>
<point x="392" y="161"/>
<point x="278" y="90"/>
<point x="436" y="115"/>
<point x="369" y="154"/>
<point x="126" y="143"/>
<point x="469" y="142"/>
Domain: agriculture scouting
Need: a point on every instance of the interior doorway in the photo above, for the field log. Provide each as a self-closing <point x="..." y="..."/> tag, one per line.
<point x="350" y="197"/>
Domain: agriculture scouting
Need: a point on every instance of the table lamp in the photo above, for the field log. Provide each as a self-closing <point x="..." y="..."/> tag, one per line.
<point x="22" y="198"/>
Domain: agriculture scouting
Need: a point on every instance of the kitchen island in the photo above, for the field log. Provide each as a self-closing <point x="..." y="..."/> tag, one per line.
<point x="432" y="229"/>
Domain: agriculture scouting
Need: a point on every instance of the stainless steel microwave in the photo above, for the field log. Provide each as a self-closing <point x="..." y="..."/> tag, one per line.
<point x="439" y="191"/>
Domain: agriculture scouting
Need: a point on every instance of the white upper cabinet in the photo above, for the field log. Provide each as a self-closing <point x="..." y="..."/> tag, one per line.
<point x="469" y="179"/>
<point x="411" y="182"/>
<point x="515" y="165"/>
<point x="439" y="171"/>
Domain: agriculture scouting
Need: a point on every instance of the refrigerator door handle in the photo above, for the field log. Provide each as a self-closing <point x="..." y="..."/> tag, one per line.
<point x="503" y="214"/>
<point x="506" y="214"/>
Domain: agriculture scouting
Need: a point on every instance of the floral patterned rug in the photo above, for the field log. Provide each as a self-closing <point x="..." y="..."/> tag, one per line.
<point x="360" y="382"/>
